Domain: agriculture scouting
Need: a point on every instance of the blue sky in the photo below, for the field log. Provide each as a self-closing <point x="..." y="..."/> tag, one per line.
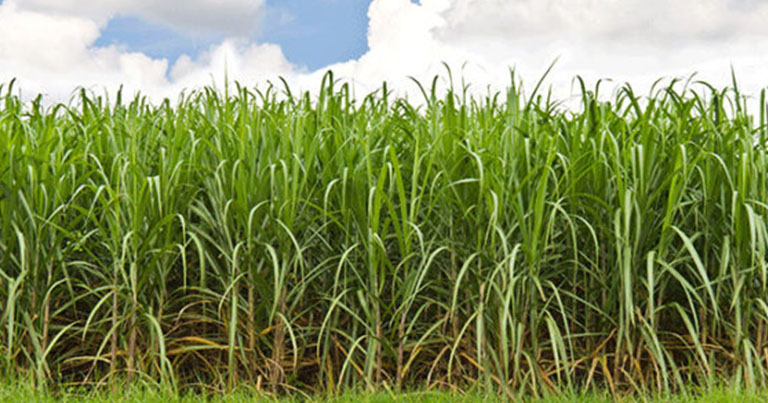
<point x="316" y="33"/>
<point x="311" y="33"/>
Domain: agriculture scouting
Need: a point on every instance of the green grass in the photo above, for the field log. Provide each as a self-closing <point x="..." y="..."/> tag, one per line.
<point x="137" y="394"/>
<point x="297" y="243"/>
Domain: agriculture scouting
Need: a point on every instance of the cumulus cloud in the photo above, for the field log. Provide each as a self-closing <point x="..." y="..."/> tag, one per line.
<point x="606" y="19"/>
<point x="53" y="54"/>
<point x="197" y="17"/>
<point x="248" y="62"/>
<point x="637" y="41"/>
<point x="634" y="40"/>
<point x="51" y="47"/>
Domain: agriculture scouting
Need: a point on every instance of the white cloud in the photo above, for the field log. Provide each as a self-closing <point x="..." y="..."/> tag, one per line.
<point x="625" y="40"/>
<point x="51" y="48"/>
<point x="197" y="17"/>
<point x="635" y="40"/>
<point x="42" y="40"/>
<point x="623" y="20"/>
<point x="240" y="60"/>
<point x="53" y="52"/>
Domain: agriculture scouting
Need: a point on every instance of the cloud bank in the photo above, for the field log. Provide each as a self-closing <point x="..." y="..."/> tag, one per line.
<point x="49" y="45"/>
<point x="234" y="17"/>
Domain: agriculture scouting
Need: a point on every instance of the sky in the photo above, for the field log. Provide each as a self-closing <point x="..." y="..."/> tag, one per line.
<point x="163" y="47"/>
